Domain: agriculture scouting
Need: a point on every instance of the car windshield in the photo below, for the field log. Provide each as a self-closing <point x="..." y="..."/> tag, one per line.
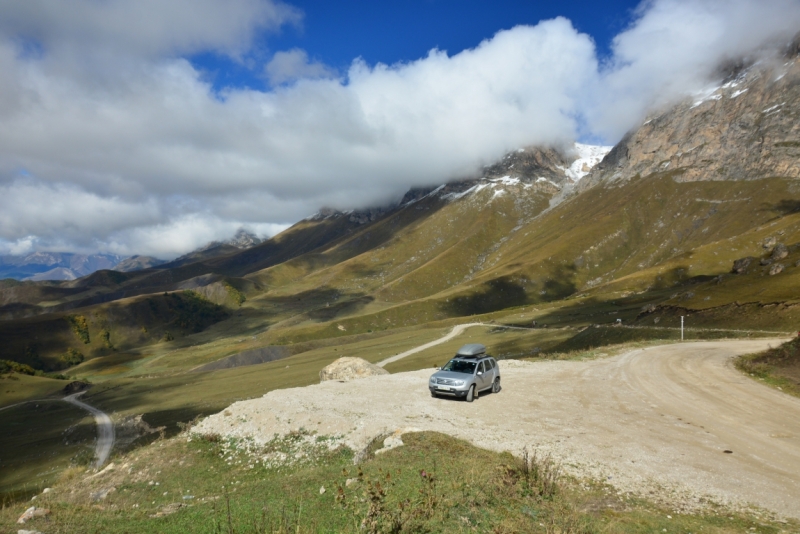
<point x="460" y="366"/>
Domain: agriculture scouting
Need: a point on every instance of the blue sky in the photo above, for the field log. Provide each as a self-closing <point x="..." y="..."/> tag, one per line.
<point x="153" y="127"/>
<point x="336" y="33"/>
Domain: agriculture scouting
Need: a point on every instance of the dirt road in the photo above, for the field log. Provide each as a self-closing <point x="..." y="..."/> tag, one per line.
<point x="458" y="329"/>
<point x="654" y="421"/>
<point x="105" y="428"/>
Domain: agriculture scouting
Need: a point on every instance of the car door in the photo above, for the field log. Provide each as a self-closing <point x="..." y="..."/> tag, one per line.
<point x="482" y="376"/>
<point x="491" y="372"/>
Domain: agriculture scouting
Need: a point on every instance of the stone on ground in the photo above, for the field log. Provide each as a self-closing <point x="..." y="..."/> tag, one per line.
<point x="349" y="368"/>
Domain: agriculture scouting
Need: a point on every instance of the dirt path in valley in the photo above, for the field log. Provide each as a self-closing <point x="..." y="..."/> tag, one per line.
<point x="652" y="421"/>
<point x="458" y="329"/>
<point x="105" y="428"/>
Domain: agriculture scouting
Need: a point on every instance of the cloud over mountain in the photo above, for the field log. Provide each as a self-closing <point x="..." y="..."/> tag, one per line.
<point x="111" y="139"/>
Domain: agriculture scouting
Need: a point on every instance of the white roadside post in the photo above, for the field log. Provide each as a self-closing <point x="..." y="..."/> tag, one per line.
<point x="681" y="327"/>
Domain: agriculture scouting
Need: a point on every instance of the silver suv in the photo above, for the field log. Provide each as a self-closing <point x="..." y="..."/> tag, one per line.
<point x="469" y="372"/>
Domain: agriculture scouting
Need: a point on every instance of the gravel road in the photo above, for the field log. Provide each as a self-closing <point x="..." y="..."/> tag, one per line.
<point x="458" y="329"/>
<point x="653" y="421"/>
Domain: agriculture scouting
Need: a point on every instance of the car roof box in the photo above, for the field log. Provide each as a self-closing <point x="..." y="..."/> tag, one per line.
<point x="472" y="349"/>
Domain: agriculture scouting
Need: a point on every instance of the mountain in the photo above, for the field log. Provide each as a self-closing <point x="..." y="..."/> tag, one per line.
<point x="137" y="263"/>
<point x="240" y="241"/>
<point x="650" y="229"/>
<point x="54" y="265"/>
<point x="742" y="129"/>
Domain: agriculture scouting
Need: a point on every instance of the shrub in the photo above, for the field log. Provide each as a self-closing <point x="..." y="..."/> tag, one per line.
<point x="72" y="357"/>
<point x="8" y="366"/>
<point x="80" y="326"/>
<point x="235" y="294"/>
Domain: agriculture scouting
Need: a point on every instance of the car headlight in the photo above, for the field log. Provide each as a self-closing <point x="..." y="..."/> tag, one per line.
<point x="458" y="382"/>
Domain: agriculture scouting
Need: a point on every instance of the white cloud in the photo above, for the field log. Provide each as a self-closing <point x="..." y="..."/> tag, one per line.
<point x="110" y="139"/>
<point x="293" y="65"/>
<point x="675" y="46"/>
<point x="141" y="28"/>
<point x="18" y="247"/>
<point x="184" y="233"/>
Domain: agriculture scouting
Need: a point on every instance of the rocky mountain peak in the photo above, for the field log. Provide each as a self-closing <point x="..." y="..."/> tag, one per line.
<point x="243" y="239"/>
<point x="743" y="128"/>
<point x="549" y="168"/>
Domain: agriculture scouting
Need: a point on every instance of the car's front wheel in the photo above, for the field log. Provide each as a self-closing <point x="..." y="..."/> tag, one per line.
<point x="433" y="394"/>
<point x="496" y="385"/>
<point x="471" y="393"/>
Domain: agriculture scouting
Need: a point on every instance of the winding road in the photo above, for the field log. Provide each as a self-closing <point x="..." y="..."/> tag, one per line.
<point x="458" y="329"/>
<point x="676" y="422"/>
<point x="105" y="428"/>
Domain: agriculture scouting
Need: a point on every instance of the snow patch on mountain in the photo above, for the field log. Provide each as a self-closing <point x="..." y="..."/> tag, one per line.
<point x="588" y="157"/>
<point x="542" y="179"/>
<point x="506" y="180"/>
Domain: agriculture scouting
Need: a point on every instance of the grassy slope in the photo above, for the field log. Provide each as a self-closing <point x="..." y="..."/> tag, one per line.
<point x="778" y="367"/>
<point x="117" y="326"/>
<point x="463" y="489"/>
<point x="16" y="388"/>
<point x="40" y="440"/>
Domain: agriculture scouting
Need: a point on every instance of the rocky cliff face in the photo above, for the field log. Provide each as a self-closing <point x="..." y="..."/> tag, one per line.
<point x="745" y="128"/>
<point x="549" y="168"/>
<point x="530" y="164"/>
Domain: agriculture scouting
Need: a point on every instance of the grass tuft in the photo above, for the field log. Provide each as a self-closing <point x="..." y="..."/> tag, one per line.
<point x="778" y="367"/>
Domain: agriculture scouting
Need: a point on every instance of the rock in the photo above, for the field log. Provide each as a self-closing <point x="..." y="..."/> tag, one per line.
<point x="102" y="494"/>
<point x="766" y="261"/>
<point x="395" y="439"/>
<point x="322" y="490"/>
<point x="740" y="266"/>
<point x="75" y="387"/>
<point x="348" y="368"/>
<point x="769" y="242"/>
<point x="392" y="442"/>
<point x="47" y="490"/>
<point x="779" y="252"/>
<point x="776" y="269"/>
<point x="110" y="467"/>
<point x="169" y="509"/>
<point x="350" y="481"/>
<point x="23" y="531"/>
<point x="32" y="513"/>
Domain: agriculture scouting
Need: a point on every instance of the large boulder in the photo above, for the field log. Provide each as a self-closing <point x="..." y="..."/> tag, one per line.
<point x="348" y="368"/>
<point x="779" y="252"/>
<point x="75" y="387"/>
<point x="740" y="266"/>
